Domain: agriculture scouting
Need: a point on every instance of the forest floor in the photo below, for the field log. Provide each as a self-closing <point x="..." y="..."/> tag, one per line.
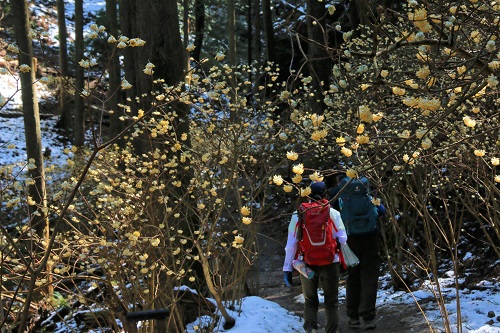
<point x="402" y="318"/>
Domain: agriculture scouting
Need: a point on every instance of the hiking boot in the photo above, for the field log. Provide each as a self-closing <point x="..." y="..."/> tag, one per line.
<point x="369" y="324"/>
<point x="311" y="328"/>
<point x="354" y="323"/>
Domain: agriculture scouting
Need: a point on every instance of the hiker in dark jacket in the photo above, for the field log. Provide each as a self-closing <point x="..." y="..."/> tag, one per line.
<point x="362" y="280"/>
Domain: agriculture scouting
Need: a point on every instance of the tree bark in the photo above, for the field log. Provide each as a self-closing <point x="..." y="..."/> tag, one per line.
<point x="31" y="115"/>
<point x="36" y="188"/>
<point x="116" y="125"/>
<point x="199" y="14"/>
<point x="257" y="48"/>
<point x="79" y="122"/>
<point x="231" y="34"/>
<point x="268" y="31"/>
<point x="319" y="60"/>
<point x="64" y="103"/>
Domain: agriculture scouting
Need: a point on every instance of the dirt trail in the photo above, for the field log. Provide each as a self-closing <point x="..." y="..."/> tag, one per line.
<point x="402" y="318"/>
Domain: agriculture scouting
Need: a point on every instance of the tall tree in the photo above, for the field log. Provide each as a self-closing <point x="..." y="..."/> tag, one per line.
<point x="268" y="30"/>
<point x="36" y="188"/>
<point x="114" y="69"/>
<point x="79" y="122"/>
<point x="199" y="26"/>
<point x="249" y="32"/>
<point x="319" y="59"/>
<point x="257" y="48"/>
<point x="64" y="105"/>
<point x="231" y="25"/>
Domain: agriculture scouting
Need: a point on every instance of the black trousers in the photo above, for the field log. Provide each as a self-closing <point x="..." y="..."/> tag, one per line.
<point x="328" y="276"/>
<point x="362" y="280"/>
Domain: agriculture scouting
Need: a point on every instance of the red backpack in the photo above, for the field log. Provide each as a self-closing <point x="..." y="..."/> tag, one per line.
<point x="314" y="233"/>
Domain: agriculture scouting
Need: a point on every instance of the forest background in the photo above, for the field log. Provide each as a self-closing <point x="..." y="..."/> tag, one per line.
<point x="197" y="125"/>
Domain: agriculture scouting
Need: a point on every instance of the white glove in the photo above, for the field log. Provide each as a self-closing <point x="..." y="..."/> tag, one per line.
<point x="342" y="236"/>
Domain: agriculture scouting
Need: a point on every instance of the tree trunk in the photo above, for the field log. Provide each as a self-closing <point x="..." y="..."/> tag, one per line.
<point x="231" y="34"/>
<point x="116" y="125"/>
<point x="249" y="35"/>
<point x="64" y="103"/>
<point x="79" y="124"/>
<point x="36" y="188"/>
<point x="257" y="48"/>
<point x="199" y="25"/>
<point x="319" y="60"/>
<point x="31" y="115"/>
<point x="185" y="29"/>
<point x="268" y="30"/>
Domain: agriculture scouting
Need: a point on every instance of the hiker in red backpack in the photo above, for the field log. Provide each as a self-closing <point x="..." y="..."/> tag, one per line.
<point x="315" y="233"/>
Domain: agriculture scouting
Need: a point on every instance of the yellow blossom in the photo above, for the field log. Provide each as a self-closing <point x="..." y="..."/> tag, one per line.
<point x="376" y="117"/>
<point x="351" y="173"/>
<point x="245" y="211"/>
<point x="125" y="84"/>
<point x="317" y="119"/>
<point x="288" y="188"/>
<point x="298" y="169"/>
<point x="469" y="122"/>
<point x="246" y="220"/>
<point x="495" y="161"/>
<point x="479" y="152"/>
<point x="297" y="179"/>
<point x="365" y="114"/>
<point x="316" y="176"/>
<point x="423" y="72"/>
<point x="497" y="178"/>
<point x="278" y="180"/>
<point x="346" y="151"/>
<point x="340" y="141"/>
<point x="398" y="91"/>
<point x="362" y="139"/>
<point x="24" y="68"/>
<point x="304" y="192"/>
<point x="292" y="156"/>
<point x="376" y="201"/>
<point x="360" y="129"/>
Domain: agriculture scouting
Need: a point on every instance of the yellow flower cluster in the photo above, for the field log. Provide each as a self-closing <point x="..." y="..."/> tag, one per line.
<point x="304" y="192"/>
<point x="398" y="91"/>
<point x="316" y="176"/>
<point x="469" y="122"/>
<point x="346" y="151"/>
<point x="479" y="152"/>
<point x="298" y="169"/>
<point x="317" y="119"/>
<point x="419" y="18"/>
<point x="318" y="135"/>
<point x="365" y="114"/>
<point x="292" y="156"/>
<point x="426" y="104"/>
<point x="362" y="139"/>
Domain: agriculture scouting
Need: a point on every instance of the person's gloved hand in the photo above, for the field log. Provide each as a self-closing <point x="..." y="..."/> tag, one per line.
<point x="288" y="279"/>
<point x="342" y="236"/>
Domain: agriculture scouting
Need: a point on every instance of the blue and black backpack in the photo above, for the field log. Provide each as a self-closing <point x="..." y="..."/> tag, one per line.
<point x="358" y="212"/>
